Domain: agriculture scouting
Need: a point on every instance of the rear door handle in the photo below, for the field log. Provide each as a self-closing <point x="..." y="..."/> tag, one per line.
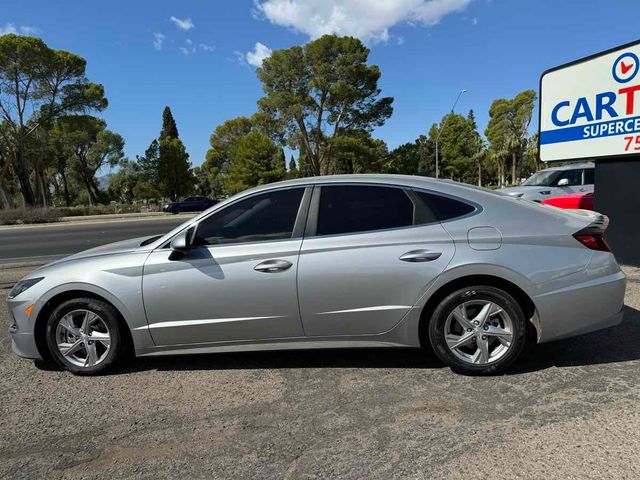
<point x="273" y="266"/>
<point x="420" y="256"/>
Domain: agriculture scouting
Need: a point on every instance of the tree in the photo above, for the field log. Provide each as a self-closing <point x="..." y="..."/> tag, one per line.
<point x="255" y="161"/>
<point x="459" y="143"/>
<point x="38" y="85"/>
<point x="222" y="142"/>
<point x="122" y="184"/>
<point x="293" y="168"/>
<point x="357" y="152"/>
<point x="174" y="169"/>
<point x="90" y="146"/>
<point x="169" y="127"/>
<point x="412" y="158"/>
<point x="531" y="163"/>
<point x="508" y="126"/>
<point x="477" y="146"/>
<point x="148" y="162"/>
<point x="314" y="92"/>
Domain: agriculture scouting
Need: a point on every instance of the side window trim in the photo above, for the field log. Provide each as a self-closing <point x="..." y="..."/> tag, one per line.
<point x="421" y="210"/>
<point x="311" y="225"/>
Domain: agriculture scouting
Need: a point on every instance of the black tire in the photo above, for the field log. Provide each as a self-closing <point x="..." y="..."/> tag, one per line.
<point x="107" y="314"/>
<point x="470" y="294"/>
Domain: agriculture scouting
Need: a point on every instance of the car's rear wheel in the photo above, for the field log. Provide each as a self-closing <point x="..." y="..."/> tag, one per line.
<point x="84" y="337"/>
<point x="478" y="330"/>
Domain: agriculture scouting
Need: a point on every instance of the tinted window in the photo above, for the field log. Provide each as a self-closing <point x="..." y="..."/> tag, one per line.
<point x="269" y="216"/>
<point x="348" y="209"/>
<point x="589" y="176"/>
<point x="445" y="208"/>
<point x="574" y="177"/>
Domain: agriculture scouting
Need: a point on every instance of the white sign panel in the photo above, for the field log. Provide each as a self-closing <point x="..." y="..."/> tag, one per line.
<point x="591" y="108"/>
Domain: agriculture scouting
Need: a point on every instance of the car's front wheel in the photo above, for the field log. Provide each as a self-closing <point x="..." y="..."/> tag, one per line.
<point x="478" y="330"/>
<point x="84" y="337"/>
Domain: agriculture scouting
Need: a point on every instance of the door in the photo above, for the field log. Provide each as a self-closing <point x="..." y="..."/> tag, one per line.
<point x="238" y="282"/>
<point x="368" y="254"/>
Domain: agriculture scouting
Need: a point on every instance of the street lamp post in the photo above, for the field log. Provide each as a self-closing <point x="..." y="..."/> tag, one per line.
<point x="464" y="90"/>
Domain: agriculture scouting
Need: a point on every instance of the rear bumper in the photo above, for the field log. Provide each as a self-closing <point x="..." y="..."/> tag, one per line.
<point x="585" y="307"/>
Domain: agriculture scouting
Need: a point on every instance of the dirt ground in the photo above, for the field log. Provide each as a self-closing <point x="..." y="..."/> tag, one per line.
<point x="569" y="410"/>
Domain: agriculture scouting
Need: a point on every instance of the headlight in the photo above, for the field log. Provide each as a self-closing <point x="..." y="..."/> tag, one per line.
<point x="516" y="195"/>
<point x="23" y="285"/>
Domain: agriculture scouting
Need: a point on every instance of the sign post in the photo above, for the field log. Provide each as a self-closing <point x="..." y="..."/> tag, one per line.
<point x="590" y="110"/>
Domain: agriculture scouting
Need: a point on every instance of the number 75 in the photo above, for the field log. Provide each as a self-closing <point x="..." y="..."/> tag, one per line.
<point x="635" y="140"/>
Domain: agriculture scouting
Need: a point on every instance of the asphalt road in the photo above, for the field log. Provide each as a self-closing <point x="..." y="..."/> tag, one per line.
<point x="47" y="242"/>
<point x="568" y="411"/>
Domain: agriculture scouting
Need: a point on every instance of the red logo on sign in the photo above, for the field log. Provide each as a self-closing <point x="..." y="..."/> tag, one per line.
<point x="625" y="68"/>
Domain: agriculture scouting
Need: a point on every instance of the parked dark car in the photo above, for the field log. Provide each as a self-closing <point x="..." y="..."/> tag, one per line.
<point x="190" y="204"/>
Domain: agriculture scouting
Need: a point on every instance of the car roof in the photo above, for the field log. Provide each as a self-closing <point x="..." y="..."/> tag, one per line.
<point x="574" y="166"/>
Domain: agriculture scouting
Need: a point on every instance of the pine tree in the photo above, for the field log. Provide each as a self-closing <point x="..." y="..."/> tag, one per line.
<point x="293" y="168"/>
<point x="174" y="170"/>
<point x="169" y="127"/>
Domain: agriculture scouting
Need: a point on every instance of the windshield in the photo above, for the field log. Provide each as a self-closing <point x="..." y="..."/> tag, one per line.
<point x="542" y="179"/>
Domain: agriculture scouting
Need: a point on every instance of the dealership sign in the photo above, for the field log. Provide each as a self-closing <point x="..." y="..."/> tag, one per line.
<point x="591" y="108"/>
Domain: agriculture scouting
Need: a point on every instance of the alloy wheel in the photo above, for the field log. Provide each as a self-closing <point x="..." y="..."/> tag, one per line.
<point x="478" y="332"/>
<point x="83" y="338"/>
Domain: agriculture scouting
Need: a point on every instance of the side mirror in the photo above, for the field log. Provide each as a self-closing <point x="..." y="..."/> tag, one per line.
<point x="563" y="182"/>
<point x="181" y="244"/>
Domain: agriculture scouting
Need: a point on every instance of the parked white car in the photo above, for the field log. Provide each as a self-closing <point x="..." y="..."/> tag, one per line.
<point x="555" y="181"/>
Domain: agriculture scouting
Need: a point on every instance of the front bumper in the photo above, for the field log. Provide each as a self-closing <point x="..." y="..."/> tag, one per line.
<point x="23" y="340"/>
<point x="585" y="307"/>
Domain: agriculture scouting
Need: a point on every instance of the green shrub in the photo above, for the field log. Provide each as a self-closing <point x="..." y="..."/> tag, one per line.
<point x="106" y="209"/>
<point x="16" y="216"/>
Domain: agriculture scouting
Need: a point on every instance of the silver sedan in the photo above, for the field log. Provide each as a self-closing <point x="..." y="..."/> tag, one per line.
<point x="342" y="261"/>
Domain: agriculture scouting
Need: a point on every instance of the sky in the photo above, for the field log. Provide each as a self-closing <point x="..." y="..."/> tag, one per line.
<point x="199" y="56"/>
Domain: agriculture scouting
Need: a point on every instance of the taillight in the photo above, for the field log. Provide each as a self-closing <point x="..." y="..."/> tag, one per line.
<point x="594" y="242"/>
<point x="592" y="236"/>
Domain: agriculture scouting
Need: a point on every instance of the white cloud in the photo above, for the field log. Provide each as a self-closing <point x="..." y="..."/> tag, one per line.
<point x="369" y="20"/>
<point x="182" y="23"/>
<point x="18" y="30"/>
<point x="257" y="55"/>
<point x="207" y="48"/>
<point x="158" y="40"/>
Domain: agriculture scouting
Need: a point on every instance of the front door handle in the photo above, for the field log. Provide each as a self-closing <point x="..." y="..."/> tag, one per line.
<point x="420" y="256"/>
<point x="273" y="266"/>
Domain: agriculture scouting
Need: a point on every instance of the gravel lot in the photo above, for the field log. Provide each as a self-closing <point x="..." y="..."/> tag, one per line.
<point x="570" y="410"/>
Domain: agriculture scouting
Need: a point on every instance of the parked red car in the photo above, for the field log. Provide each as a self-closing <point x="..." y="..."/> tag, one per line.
<point x="582" y="201"/>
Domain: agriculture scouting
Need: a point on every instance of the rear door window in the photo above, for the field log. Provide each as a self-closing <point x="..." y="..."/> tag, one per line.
<point x="353" y="209"/>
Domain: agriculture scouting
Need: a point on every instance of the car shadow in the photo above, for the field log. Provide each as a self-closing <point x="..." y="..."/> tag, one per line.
<point x="613" y="345"/>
